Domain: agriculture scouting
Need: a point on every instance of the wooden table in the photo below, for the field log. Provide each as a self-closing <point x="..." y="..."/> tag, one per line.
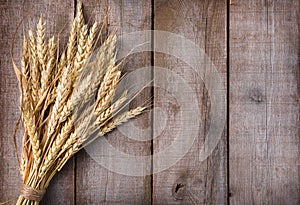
<point x="255" y="47"/>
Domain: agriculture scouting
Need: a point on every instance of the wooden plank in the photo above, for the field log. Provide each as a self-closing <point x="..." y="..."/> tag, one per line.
<point x="56" y="14"/>
<point x="189" y="181"/>
<point x="95" y="184"/>
<point x="264" y="102"/>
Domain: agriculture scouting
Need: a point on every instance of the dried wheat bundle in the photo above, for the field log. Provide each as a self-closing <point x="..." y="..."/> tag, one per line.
<point x="66" y="99"/>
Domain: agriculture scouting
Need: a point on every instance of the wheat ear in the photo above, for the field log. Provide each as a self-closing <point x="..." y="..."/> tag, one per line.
<point x="107" y="88"/>
<point x="71" y="47"/>
<point x="31" y="128"/>
<point x="79" y="16"/>
<point x="25" y="70"/>
<point x="41" y="45"/>
<point x="90" y="41"/>
<point x="25" y="59"/>
<point x="112" y="124"/>
<point x="62" y="93"/>
<point x="34" y="69"/>
<point x="88" y="86"/>
<point x="47" y="69"/>
<point x="57" y="145"/>
<point x="102" y="117"/>
<point x="122" y="118"/>
<point x="80" y="55"/>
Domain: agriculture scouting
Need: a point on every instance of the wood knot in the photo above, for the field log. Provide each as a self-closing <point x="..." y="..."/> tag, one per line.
<point x="174" y="107"/>
<point x="256" y="95"/>
<point x="179" y="190"/>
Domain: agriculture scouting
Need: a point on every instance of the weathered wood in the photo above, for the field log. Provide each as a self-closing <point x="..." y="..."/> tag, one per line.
<point x="95" y="184"/>
<point x="189" y="181"/>
<point x="56" y="14"/>
<point x="264" y="102"/>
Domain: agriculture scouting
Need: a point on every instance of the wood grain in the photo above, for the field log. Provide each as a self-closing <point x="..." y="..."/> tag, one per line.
<point x="9" y="176"/>
<point x="264" y="102"/>
<point x="264" y="109"/>
<point x="189" y="181"/>
<point x="95" y="184"/>
<point x="56" y="15"/>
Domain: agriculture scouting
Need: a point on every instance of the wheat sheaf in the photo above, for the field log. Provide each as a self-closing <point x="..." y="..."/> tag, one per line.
<point x="65" y="99"/>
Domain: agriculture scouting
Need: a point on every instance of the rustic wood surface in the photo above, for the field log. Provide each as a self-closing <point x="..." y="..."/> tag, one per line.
<point x="189" y="181"/>
<point x="257" y="160"/>
<point x="94" y="183"/>
<point x="264" y="102"/>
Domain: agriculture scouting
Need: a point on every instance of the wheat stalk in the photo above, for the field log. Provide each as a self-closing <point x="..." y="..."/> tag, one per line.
<point x="25" y="59"/>
<point x="34" y="69"/>
<point x="72" y="43"/>
<point x="31" y="128"/>
<point x="66" y="102"/>
<point x="49" y="66"/>
<point x="56" y="146"/>
<point x="80" y="19"/>
<point x="41" y="46"/>
<point x="107" y="88"/>
<point x="103" y="116"/>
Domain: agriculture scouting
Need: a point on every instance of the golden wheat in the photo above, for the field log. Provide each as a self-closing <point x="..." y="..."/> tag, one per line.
<point x="34" y="69"/>
<point x="66" y="101"/>
<point x="48" y="67"/>
<point x="41" y="45"/>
